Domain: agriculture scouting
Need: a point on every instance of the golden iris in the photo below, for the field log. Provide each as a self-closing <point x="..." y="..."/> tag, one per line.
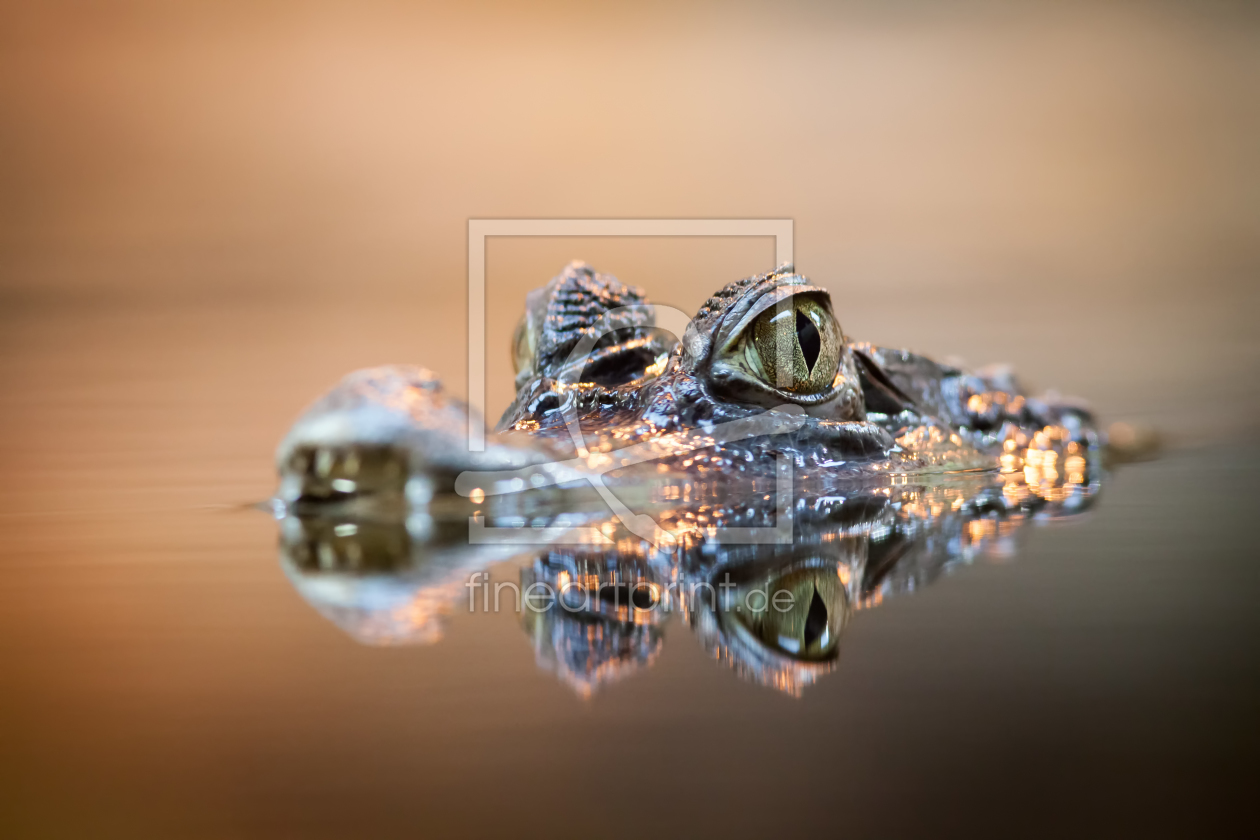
<point x="797" y="344"/>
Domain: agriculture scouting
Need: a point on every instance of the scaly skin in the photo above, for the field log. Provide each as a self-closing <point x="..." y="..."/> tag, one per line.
<point x="887" y="411"/>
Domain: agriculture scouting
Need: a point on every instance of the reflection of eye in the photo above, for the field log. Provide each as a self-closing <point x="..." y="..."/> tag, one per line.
<point x="796" y="345"/>
<point x="801" y="613"/>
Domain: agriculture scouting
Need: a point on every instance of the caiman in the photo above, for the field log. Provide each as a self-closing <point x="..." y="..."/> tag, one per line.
<point x="759" y="452"/>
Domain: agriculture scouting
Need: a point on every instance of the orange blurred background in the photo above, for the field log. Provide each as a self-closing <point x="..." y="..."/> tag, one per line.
<point x="1077" y="184"/>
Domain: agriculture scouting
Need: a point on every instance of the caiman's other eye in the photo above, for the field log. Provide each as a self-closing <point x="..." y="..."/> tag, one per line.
<point x="522" y="351"/>
<point x="796" y="345"/>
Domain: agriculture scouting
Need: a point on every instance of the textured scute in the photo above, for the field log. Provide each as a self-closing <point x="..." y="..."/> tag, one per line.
<point x="577" y="300"/>
<point x="698" y="341"/>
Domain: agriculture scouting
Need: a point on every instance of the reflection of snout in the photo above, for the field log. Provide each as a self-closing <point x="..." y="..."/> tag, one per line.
<point x="314" y="545"/>
<point x="382" y="582"/>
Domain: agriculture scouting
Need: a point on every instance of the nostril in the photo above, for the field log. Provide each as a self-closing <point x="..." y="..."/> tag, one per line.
<point x="815" y="620"/>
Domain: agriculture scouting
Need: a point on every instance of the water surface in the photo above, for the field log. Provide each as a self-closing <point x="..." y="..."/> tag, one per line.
<point x="162" y="677"/>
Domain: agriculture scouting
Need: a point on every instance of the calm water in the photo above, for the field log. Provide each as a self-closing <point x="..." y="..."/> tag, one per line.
<point x="162" y="677"/>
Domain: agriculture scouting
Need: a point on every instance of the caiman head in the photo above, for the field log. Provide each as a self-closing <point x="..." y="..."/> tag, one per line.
<point x="766" y="346"/>
<point x="763" y="342"/>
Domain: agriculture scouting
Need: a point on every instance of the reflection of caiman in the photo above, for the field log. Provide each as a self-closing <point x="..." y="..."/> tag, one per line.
<point x="761" y="453"/>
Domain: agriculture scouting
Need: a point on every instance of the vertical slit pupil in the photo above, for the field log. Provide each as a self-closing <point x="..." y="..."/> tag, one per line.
<point x="815" y="620"/>
<point x="810" y="341"/>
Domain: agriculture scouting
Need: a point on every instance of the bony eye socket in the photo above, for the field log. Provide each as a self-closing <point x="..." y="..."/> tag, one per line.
<point x="795" y="345"/>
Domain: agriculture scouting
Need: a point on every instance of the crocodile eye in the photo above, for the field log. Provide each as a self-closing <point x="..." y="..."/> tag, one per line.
<point x="797" y="345"/>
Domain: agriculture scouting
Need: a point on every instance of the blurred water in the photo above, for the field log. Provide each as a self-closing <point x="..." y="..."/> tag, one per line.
<point x="162" y="677"/>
